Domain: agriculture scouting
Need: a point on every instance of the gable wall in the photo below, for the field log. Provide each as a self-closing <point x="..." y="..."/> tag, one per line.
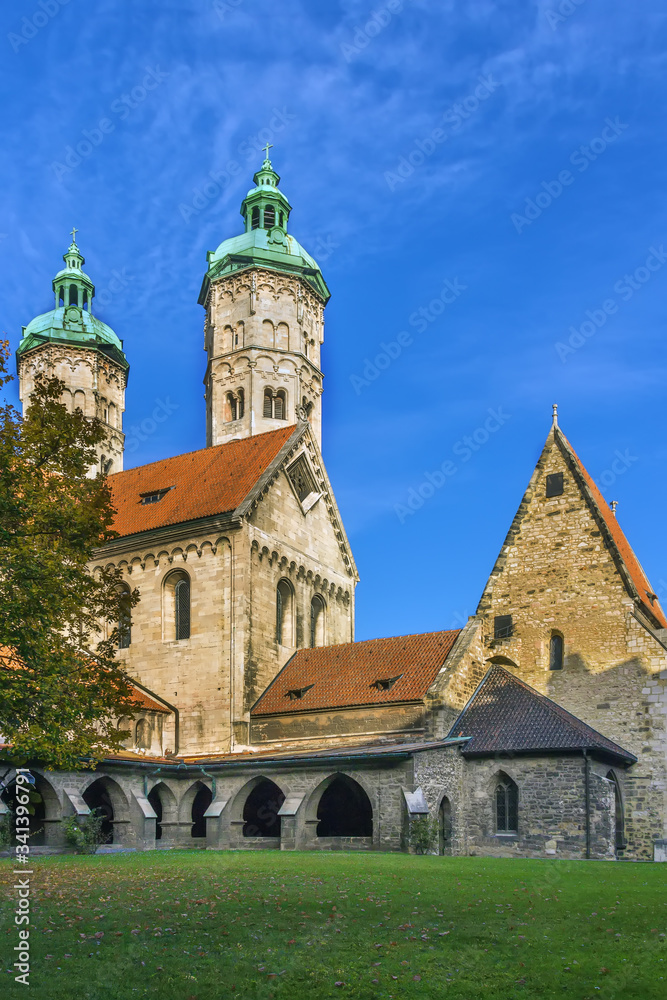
<point x="556" y="573"/>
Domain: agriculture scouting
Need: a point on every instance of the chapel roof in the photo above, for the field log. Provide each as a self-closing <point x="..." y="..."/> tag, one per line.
<point x="636" y="574"/>
<point x="198" y="484"/>
<point x="374" y="672"/>
<point x="505" y="716"/>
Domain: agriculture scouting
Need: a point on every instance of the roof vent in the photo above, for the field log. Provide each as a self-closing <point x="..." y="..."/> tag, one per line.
<point x="386" y="683"/>
<point x="295" y="693"/>
<point x="154" y="496"/>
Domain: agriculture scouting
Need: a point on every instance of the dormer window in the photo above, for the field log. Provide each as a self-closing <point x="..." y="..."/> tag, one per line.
<point x="385" y="683"/>
<point x="296" y="693"/>
<point x="154" y="496"/>
<point x="269" y="217"/>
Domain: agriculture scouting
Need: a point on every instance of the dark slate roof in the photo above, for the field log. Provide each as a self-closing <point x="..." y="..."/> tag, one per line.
<point x="506" y="715"/>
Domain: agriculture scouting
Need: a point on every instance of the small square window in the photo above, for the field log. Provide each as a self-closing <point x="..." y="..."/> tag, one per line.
<point x="555" y="484"/>
<point x="503" y="627"/>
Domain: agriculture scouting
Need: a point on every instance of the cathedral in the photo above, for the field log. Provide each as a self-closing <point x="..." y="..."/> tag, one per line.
<point x="536" y="730"/>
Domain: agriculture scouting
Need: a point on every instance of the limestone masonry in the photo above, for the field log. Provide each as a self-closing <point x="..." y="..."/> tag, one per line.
<point x="537" y="730"/>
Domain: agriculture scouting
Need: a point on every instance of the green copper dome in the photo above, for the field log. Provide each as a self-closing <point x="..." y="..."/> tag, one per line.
<point x="265" y="242"/>
<point x="72" y="321"/>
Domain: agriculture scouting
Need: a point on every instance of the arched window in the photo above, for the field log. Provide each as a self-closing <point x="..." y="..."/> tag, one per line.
<point x="619" y="819"/>
<point x="85" y="299"/>
<point x="280" y="405"/>
<point x="282" y="219"/>
<point x="241" y="401"/>
<point x="268" y="403"/>
<point x="176" y="606"/>
<point x="269" y="217"/>
<point x="556" y="652"/>
<point x="142" y="736"/>
<point x="61" y="296"/>
<point x="445" y="826"/>
<point x="200" y="804"/>
<point x="285" y="614"/>
<point x="255" y="218"/>
<point x="231" y="402"/>
<point x="73" y="295"/>
<point x="317" y="621"/>
<point x="124" y="617"/>
<point x="507" y="805"/>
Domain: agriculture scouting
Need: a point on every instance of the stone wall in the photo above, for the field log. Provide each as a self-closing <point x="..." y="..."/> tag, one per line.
<point x="556" y="573"/>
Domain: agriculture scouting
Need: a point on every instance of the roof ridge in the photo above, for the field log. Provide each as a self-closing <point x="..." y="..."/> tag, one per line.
<point x="197" y="451"/>
<point x="562" y="714"/>
<point x="634" y="569"/>
<point x="380" y="638"/>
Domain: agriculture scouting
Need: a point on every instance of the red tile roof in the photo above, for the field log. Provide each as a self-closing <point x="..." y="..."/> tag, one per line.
<point x="144" y="700"/>
<point x="345" y="676"/>
<point x="200" y="483"/>
<point x="632" y="564"/>
<point x="506" y="715"/>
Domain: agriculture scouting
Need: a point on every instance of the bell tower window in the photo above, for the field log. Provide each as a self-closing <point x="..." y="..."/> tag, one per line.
<point x="73" y="295"/>
<point x="269" y="217"/>
<point x="255" y="218"/>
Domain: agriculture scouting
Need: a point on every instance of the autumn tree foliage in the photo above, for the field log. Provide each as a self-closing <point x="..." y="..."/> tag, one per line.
<point x="61" y="687"/>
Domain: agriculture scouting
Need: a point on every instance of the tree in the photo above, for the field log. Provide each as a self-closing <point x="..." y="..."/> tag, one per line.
<point x="61" y="688"/>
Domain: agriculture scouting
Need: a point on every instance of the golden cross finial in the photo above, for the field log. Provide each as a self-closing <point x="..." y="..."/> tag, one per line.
<point x="74" y="232"/>
<point x="266" y="149"/>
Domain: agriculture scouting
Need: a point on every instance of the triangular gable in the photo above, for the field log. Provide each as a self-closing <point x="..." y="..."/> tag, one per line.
<point x="303" y="441"/>
<point x="634" y="578"/>
<point x="505" y="715"/>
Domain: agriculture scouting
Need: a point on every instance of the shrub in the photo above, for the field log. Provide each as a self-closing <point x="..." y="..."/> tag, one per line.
<point x="423" y="833"/>
<point x="84" y="833"/>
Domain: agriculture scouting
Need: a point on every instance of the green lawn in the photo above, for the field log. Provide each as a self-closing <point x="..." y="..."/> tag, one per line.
<point x="202" y="925"/>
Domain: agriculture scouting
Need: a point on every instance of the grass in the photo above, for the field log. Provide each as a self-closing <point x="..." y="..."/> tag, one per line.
<point x="203" y="925"/>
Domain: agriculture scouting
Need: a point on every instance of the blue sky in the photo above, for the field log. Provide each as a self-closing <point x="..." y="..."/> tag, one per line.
<point x="483" y="180"/>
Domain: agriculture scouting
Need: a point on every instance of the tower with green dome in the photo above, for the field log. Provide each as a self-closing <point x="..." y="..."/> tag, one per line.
<point x="73" y="344"/>
<point x="264" y="297"/>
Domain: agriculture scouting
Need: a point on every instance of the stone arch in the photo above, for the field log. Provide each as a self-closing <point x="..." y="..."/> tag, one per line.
<point x="107" y="797"/>
<point x="342" y="807"/>
<point x="46" y="808"/>
<point x="618" y="815"/>
<point x="176" y="601"/>
<point x="163" y="801"/>
<point x="256" y="806"/>
<point x="282" y="336"/>
<point x="192" y="807"/>
<point x="445" y="825"/>
<point x="268" y="333"/>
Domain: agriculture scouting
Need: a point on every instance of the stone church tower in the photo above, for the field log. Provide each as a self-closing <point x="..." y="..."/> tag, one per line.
<point x="77" y="347"/>
<point x="264" y="298"/>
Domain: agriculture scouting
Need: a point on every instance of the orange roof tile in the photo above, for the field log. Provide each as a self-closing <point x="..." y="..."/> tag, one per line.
<point x="633" y="566"/>
<point x="345" y="676"/>
<point x="200" y="483"/>
<point x="144" y="700"/>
